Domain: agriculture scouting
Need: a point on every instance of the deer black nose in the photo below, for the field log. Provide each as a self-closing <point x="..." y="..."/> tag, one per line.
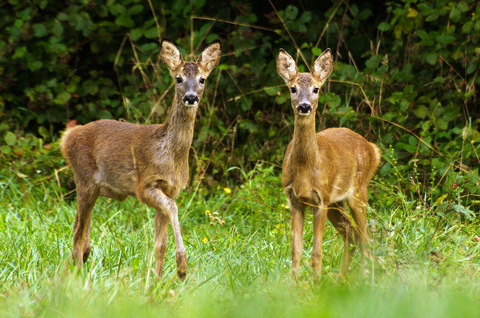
<point x="304" y="109"/>
<point x="190" y="100"/>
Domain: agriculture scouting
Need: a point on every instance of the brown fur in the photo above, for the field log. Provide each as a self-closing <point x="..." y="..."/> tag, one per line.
<point x="323" y="170"/>
<point x="117" y="159"/>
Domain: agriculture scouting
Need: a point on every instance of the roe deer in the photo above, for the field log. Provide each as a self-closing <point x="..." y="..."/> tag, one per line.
<point x="322" y="170"/>
<point x="117" y="159"/>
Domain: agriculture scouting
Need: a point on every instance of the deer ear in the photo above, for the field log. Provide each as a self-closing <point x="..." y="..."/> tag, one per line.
<point x="210" y="56"/>
<point x="286" y="66"/>
<point x="170" y="55"/>
<point x="323" y="66"/>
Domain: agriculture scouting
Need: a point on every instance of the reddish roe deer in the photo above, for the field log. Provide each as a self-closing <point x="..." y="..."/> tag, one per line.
<point x="117" y="159"/>
<point x="322" y="170"/>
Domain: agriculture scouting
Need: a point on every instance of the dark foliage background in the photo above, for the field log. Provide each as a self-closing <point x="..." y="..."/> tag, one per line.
<point x="406" y="77"/>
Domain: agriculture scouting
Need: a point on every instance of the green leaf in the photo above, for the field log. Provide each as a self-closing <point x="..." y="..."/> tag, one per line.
<point x="404" y="105"/>
<point x="248" y="125"/>
<point x="124" y="21"/>
<point x="467" y="27"/>
<point x="451" y="112"/>
<point x="473" y="176"/>
<point x="35" y="65"/>
<point x="271" y="91"/>
<point x="19" y="52"/>
<point x="62" y="16"/>
<point x="149" y="47"/>
<point x="306" y="17"/>
<point x="445" y="39"/>
<point x="281" y="99"/>
<point x="365" y="14"/>
<point x="6" y="150"/>
<point x="10" y="138"/>
<point x="422" y="34"/>
<point x="90" y="86"/>
<point x="43" y="132"/>
<point x="462" y="6"/>
<point x="62" y="98"/>
<point x="39" y="30"/>
<point x="431" y="58"/>
<point x="384" y="26"/>
<point x="57" y="28"/>
<point x="151" y="33"/>
<point x="316" y="51"/>
<point x="333" y="100"/>
<point x="396" y="97"/>
<point x="441" y="124"/>
<point x="136" y="34"/>
<point x="440" y="200"/>
<point x="291" y="12"/>
<point x="136" y="9"/>
<point x="374" y="61"/>
<point x="421" y="112"/>
<point x="117" y="9"/>
<point x="407" y="147"/>
<point x="42" y="4"/>
<point x="472" y="68"/>
<point x="455" y="14"/>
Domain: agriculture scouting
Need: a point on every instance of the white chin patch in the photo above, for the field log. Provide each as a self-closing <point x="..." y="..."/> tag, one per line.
<point x="305" y="114"/>
<point x="195" y="104"/>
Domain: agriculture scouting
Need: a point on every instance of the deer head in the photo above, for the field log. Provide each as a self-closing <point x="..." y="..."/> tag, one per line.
<point x="189" y="76"/>
<point x="304" y="87"/>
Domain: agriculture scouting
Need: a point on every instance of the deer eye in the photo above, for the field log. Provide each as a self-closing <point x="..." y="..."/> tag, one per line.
<point x="293" y="89"/>
<point x="315" y="90"/>
<point x="202" y="80"/>
<point x="179" y="80"/>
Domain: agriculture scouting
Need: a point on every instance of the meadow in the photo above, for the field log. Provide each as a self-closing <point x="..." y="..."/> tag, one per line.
<point x="238" y="245"/>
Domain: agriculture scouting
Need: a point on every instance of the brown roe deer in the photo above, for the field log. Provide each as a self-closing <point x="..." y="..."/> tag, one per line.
<point x="322" y="170"/>
<point x="117" y="159"/>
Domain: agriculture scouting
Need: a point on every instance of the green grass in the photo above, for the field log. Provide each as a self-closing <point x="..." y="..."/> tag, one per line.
<point x="425" y="265"/>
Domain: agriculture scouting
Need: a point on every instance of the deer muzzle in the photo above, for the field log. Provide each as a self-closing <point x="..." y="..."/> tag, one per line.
<point x="304" y="109"/>
<point x="191" y="100"/>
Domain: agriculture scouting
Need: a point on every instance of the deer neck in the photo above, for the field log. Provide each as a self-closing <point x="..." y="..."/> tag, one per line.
<point x="180" y="127"/>
<point x="304" y="148"/>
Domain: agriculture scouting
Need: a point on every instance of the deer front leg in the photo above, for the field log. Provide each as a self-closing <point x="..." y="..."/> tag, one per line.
<point x="297" y="212"/>
<point x="155" y="198"/>
<point x="86" y="198"/>
<point x="161" y="231"/>
<point x="319" y="221"/>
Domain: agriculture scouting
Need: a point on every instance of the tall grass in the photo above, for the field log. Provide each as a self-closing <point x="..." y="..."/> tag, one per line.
<point x="238" y="248"/>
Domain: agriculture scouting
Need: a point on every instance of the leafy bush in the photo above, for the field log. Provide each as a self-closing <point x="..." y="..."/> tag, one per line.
<point x="406" y="77"/>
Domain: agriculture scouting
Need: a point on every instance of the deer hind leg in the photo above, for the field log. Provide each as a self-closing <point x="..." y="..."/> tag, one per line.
<point x="86" y="198"/>
<point x="358" y="208"/>
<point x="155" y="198"/>
<point x="338" y="218"/>
<point x="319" y="222"/>
<point x="87" y="247"/>
<point x="161" y="231"/>
<point x="297" y="212"/>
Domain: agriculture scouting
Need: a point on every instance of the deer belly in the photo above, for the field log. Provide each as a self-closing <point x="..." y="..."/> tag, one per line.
<point x="116" y="184"/>
<point x="340" y="193"/>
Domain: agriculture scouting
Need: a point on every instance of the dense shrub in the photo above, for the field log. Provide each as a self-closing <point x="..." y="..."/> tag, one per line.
<point x="406" y="77"/>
